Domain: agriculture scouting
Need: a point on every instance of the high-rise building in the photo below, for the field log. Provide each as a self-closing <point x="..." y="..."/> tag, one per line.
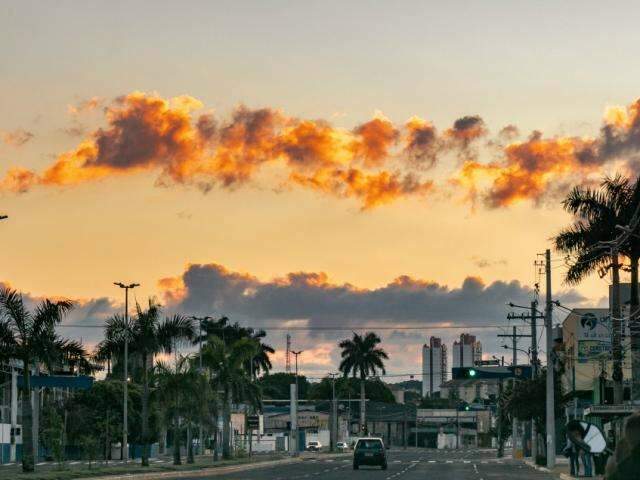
<point x="434" y="366"/>
<point x="466" y="351"/>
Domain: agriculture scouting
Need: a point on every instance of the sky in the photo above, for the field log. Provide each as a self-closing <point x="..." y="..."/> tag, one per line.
<point x="308" y="163"/>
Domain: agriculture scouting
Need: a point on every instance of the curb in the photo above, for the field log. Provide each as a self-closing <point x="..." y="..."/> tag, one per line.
<point x="203" y="472"/>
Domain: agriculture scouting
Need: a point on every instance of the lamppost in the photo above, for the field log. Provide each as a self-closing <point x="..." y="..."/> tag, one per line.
<point x="333" y="432"/>
<point x="125" y="445"/>
<point x="296" y="401"/>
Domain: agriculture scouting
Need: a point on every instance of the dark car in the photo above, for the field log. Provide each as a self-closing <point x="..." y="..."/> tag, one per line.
<point x="369" y="451"/>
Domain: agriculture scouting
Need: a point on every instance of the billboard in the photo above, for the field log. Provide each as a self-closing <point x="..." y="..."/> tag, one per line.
<point x="593" y="335"/>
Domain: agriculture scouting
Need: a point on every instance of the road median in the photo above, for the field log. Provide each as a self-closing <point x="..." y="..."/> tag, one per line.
<point x="155" y="471"/>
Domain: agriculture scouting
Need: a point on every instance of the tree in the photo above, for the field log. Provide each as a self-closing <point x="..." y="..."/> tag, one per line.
<point x="148" y="335"/>
<point x="98" y="412"/>
<point x="52" y="432"/>
<point x="230" y="333"/>
<point x="362" y="356"/>
<point x="376" y="390"/>
<point x="278" y="385"/>
<point x="229" y="376"/>
<point x="526" y="401"/>
<point x="597" y="212"/>
<point x="182" y="392"/>
<point x="30" y="337"/>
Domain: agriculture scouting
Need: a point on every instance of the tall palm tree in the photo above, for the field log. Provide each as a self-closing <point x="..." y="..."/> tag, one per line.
<point x="232" y="332"/>
<point x="148" y="335"/>
<point x="230" y="377"/>
<point x="597" y="212"/>
<point x="30" y="337"/>
<point x="362" y="356"/>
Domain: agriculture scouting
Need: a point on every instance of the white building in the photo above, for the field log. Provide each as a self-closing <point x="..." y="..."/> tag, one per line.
<point x="466" y="351"/>
<point x="434" y="366"/>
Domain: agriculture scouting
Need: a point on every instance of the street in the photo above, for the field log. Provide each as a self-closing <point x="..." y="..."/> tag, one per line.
<point x="411" y="464"/>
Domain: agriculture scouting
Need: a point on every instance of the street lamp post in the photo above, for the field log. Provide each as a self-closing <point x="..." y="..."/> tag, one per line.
<point x="125" y="444"/>
<point x="296" y="401"/>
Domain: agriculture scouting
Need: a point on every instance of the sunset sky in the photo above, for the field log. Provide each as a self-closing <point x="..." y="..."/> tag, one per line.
<point x="307" y="163"/>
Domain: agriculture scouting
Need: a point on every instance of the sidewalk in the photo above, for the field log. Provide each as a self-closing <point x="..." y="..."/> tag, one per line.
<point x="158" y="469"/>
<point x="561" y="470"/>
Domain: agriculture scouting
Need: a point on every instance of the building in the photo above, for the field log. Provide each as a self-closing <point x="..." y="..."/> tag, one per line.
<point x="434" y="366"/>
<point x="466" y="351"/>
<point x="585" y="357"/>
<point x="451" y="428"/>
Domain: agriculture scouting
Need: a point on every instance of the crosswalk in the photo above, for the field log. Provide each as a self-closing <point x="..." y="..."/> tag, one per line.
<point x="465" y="461"/>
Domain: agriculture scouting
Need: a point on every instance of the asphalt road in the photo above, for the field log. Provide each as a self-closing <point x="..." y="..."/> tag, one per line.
<point x="410" y="464"/>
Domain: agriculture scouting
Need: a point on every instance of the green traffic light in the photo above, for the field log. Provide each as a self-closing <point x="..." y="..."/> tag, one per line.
<point x="472" y="373"/>
<point x="466" y="407"/>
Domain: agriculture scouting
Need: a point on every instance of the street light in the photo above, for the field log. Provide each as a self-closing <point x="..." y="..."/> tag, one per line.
<point x="125" y="444"/>
<point x="296" y="399"/>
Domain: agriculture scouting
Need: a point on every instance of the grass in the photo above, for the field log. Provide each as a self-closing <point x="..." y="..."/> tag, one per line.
<point x="83" y="471"/>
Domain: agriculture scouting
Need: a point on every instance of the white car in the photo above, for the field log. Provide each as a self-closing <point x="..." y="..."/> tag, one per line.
<point x="314" y="446"/>
<point x="342" y="447"/>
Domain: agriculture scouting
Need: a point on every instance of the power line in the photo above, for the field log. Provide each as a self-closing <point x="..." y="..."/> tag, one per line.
<point x="329" y="329"/>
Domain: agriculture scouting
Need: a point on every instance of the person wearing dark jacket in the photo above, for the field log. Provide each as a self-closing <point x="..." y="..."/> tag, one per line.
<point x="624" y="464"/>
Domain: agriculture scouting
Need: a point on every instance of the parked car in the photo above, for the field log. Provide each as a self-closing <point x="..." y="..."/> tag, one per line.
<point x="314" y="446"/>
<point x="369" y="451"/>
<point x="342" y="447"/>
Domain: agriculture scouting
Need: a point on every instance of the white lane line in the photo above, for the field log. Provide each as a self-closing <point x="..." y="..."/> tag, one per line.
<point x="432" y="461"/>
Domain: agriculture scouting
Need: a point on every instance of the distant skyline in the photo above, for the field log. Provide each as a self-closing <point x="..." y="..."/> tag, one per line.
<point x="308" y="163"/>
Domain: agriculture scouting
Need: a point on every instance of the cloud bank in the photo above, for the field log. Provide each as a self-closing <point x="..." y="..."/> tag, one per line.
<point x="376" y="162"/>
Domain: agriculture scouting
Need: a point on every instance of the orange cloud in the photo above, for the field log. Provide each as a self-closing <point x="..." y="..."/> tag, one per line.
<point x="372" y="190"/>
<point x="528" y="169"/>
<point x="375" y="163"/>
<point x="85" y="106"/>
<point x="17" y="137"/>
<point x="421" y="143"/>
<point x="374" y="139"/>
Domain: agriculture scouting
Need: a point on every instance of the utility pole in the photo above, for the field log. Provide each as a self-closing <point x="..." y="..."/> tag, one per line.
<point x="533" y="316"/>
<point x="125" y="445"/>
<point x="550" y="404"/>
<point x="333" y="437"/>
<point x="295" y="430"/>
<point x="534" y="373"/>
<point x="616" y="323"/>
<point x="404" y="427"/>
<point x="514" y="339"/>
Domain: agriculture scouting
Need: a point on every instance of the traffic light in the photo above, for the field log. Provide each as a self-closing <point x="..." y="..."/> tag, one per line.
<point x="465" y="373"/>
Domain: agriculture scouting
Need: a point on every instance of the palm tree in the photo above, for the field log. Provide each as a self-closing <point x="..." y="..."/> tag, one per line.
<point x="230" y="377"/>
<point x="148" y="336"/>
<point x="230" y="333"/>
<point x="30" y="337"/>
<point x="597" y="212"/>
<point x="362" y="356"/>
<point x="180" y="391"/>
